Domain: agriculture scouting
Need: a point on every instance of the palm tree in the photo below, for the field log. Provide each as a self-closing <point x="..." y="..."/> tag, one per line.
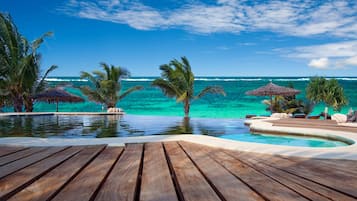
<point x="19" y="64"/>
<point x="107" y="85"/>
<point x="177" y="81"/>
<point x="328" y="91"/>
<point x="35" y="86"/>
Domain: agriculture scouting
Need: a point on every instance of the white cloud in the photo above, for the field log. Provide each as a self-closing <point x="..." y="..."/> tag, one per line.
<point x="327" y="56"/>
<point x="322" y="63"/>
<point x="288" y="17"/>
<point x="351" y="61"/>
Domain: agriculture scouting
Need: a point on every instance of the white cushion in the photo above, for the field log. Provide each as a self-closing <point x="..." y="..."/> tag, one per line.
<point x="339" y="118"/>
<point x="280" y="115"/>
<point x="114" y="109"/>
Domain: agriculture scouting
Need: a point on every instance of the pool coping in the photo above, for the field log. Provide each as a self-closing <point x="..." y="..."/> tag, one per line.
<point x="344" y="152"/>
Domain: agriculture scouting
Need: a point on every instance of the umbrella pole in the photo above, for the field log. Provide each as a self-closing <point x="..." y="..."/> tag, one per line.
<point x="271" y="104"/>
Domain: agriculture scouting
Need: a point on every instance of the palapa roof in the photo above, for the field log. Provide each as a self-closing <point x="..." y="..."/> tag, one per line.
<point x="58" y="95"/>
<point x="273" y="90"/>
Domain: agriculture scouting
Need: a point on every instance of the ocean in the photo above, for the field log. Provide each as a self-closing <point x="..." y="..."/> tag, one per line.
<point x="150" y="100"/>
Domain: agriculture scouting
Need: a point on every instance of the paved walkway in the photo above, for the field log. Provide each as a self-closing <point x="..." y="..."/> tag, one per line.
<point x="169" y="171"/>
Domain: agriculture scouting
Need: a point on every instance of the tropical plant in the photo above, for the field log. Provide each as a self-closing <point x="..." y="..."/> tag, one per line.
<point x="328" y="91"/>
<point x="19" y="64"/>
<point x="177" y="81"/>
<point x="107" y="85"/>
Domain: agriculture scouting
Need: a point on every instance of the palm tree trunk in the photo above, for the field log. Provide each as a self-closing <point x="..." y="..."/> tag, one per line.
<point x="187" y="108"/>
<point x="18" y="103"/>
<point x="110" y="105"/>
<point x="28" y="104"/>
<point x="271" y="104"/>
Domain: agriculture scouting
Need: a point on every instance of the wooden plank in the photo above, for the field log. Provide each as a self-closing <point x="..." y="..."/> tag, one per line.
<point x="310" y="189"/>
<point x="309" y="123"/>
<point x="5" y="150"/>
<point x="121" y="183"/>
<point x="156" y="179"/>
<point x="228" y="185"/>
<point x="265" y="186"/>
<point x="334" y="128"/>
<point x="347" y="166"/>
<point x="19" y="154"/>
<point x="19" y="164"/>
<point x="339" y="180"/>
<point x="86" y="183"/>
<point x="45" y="187"/>
<point x="193" y="185"/>
<point x="20" y="179"/>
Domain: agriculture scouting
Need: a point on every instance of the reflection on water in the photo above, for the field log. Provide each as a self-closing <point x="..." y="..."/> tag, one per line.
<point x="114" y="126"/>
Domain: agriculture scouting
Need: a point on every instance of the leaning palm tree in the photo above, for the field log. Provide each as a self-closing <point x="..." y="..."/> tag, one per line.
<point x="328" y="91"/>
<point x="19" y="64"/>
<point x="177" y="81"/>
<point x="106" y="86"/>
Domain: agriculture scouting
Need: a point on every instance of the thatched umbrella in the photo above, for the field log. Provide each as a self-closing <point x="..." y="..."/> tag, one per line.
<point x="58" y="95"/>
<point x="273" y="90"/>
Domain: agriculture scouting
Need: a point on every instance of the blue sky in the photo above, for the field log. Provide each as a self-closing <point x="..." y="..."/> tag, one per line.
<point x="220" y="38"/>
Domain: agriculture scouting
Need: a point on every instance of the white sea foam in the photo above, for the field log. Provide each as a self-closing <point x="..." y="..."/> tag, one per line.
<point x="291" y="79"/>
<point x="138" y="79"/>
<point x="65" y="80"/>
<point x="208" y="79"/>
<point x="228" y="79"/>
<point x="347" y="78"/>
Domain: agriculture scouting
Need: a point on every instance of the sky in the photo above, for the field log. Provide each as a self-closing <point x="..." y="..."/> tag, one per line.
<point x="220" y="38"/>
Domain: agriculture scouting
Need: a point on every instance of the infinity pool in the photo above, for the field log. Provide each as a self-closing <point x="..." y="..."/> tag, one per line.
<point x="100" y="126"/>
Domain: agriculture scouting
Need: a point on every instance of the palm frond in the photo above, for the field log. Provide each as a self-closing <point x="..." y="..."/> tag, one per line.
<point x="166" y="87"/>
<point x="129" y="91"/>
<point x="89" y="77"/>
<point x="211" y="89"/>
<point x="42" y="84"/>
<point x="36" y="43"/>
<point x="93" y="95"/>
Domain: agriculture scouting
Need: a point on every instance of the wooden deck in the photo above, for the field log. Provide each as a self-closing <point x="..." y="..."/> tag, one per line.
<point x="312" y="123"/>
<point x="169" y="172"/>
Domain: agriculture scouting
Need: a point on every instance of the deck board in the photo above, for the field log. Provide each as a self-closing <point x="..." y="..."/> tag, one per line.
<point x="227" y="184"/>
<point x="122" y="181"/>
<point x="315" y="190"/>
<point x="12" y="183"/>
<point x="156" y="185"/>
<point x="55" y="179"/>
<point x="86" y="183"/>
<point x="9" y="150"/>
<point x="309" y="123"/>
<point x="193" y="185"/>
<point x="19" y="155"/>
<point x="264" y="185"/>
<point x="168" y="171"/>
<point x="19" y="164"/>
<point x="342" y="181"/>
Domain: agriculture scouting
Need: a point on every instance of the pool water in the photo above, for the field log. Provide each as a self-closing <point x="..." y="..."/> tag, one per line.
<point x="284" y="140"/>
<point x="101" y="126"/>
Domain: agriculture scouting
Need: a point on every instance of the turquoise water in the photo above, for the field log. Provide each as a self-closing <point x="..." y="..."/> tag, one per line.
<point x="236" y="104"/>
<point x="101" y="126"/>
<point x="284" y="140"/>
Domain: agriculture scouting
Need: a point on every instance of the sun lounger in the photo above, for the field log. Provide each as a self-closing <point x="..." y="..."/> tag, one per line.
<point x="299" y="115"/>
<point x="314" y="117"/>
